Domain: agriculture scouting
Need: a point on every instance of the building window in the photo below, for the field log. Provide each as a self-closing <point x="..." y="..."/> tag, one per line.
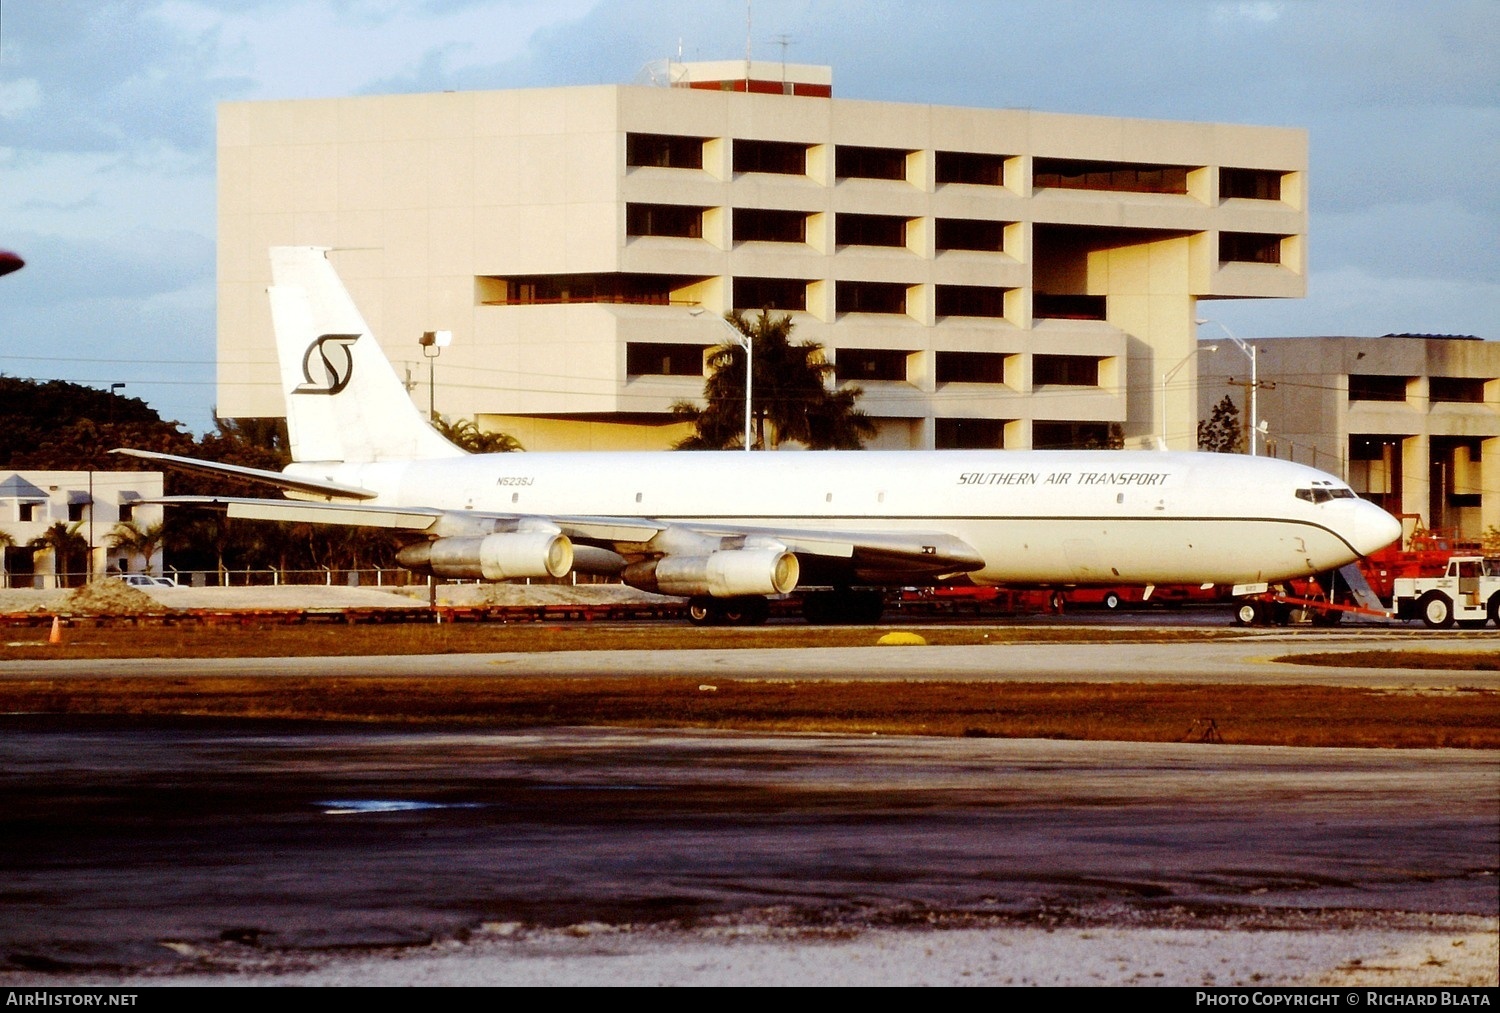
<point x="970" y="167"/>
<point x="1052" y="306"/>
<point x="764" y="225"/>
<point x="650" y="359"/>
<point x="1074" y="436"/>
<point x="1250" y="184"/>
<point x="770" y="294"/>
<point x="77" y="511"/>
<point x="855" y="162"/>
<point x="970" y="234"/>
<point x="1064" y="371"/>
<point x="782" y="157"/>
<point x="544" y="289"/>
<point x="1371" y="387"/>
<point x="665" y="151"/>
<point x="1128" y="177"/>
<point x="664" y="220"/>
<point x="127" y="513"/>
<point x="870" y="297"/>
<point x="970" y="367"/>
<point x="969" y="434"/>
<point x="1249" y="248"/>
<point x="861" y="364"/>
<point x="1455" y="390"/>
<point x="869" y="230"/>
<point x="26" y="512"/>
<point x="970" y="301"/>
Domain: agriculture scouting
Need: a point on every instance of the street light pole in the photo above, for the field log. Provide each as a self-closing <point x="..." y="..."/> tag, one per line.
<point x="1251" y="354"/>
<point x="743" y="340"/>
<point x="433" y="343"/>
<point x="1167" y="376"/>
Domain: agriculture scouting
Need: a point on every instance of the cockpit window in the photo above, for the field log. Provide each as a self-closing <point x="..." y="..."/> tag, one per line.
<point x="1324" y="493"/>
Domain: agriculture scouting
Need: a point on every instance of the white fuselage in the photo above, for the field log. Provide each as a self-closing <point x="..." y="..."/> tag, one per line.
<point x="1085" y="517"/>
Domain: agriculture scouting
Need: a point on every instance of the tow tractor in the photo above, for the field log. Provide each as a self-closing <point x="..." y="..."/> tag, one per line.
<point x="1468" y="592"/>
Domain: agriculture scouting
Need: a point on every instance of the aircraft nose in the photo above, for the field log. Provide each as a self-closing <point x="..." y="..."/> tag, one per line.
<point x="1372" y="529"/>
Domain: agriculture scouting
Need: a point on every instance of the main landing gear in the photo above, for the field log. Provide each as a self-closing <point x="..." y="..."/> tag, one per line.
<point x="835" y="608"/>
<point x="821" y="608"/>
<point x="748" y="610"/>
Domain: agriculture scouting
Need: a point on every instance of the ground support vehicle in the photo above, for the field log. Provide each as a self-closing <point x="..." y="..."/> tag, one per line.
<point x="1468" y="593"/>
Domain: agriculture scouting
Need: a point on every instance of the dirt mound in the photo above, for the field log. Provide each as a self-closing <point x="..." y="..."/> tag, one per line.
<point x="109" y="598"/>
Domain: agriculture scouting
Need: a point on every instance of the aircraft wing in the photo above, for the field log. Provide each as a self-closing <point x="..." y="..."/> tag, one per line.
<point x="298" y="512"/>
<point x="826" y="556"/>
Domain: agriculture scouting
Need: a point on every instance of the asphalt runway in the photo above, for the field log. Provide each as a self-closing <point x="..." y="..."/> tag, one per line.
<point x="1256" y="657"/>
<point x="131" y="847"/>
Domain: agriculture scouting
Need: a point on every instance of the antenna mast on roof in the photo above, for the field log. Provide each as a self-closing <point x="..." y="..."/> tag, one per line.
<point x="747" y="45"/>
<point x="783" y="41"/>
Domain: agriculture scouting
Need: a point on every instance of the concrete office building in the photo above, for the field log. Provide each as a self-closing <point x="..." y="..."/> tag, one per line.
<point x="990" y="277"/>
<point x="1412" y="422"/>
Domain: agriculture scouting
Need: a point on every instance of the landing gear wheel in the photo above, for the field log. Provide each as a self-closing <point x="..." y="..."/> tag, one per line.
<point x="1250" y="613"/>
<point x="1112" y="601"/>
<point x="1436" y="610"/>
<point x="703" y="612"/>
<point x="750" y="610"/>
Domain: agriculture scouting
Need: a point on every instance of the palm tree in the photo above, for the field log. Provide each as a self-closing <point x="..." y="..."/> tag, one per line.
<point x="791" y="399"/>
<point x="7" y="540"/>
<point x="137" y="540"/>
<point x="466" y="435"/>
<point x="65" y="545"/>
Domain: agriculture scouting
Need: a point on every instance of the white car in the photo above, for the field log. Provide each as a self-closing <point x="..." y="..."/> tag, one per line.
<point x="146" y="580"/>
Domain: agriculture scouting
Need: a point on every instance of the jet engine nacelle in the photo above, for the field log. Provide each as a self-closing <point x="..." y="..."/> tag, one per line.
<point x="726" y="574"/>
<point x="500" y="556"/>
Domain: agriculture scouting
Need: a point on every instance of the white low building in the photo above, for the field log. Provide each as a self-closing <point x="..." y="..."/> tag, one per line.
<point x="88" y="504"/>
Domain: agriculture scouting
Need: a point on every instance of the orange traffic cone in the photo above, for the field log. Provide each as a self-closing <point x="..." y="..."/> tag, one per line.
<point x="56" y="636"/>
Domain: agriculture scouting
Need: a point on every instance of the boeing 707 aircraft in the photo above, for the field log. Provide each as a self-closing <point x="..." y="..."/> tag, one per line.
<point x="727" y="530"/>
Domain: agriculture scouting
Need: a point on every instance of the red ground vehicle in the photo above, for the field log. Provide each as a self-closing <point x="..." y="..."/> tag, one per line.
<point x="1011" y="601"/>
<point x="1170" y="595"/>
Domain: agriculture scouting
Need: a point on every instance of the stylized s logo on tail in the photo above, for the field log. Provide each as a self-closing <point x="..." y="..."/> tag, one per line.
<point x="327" y="365"/>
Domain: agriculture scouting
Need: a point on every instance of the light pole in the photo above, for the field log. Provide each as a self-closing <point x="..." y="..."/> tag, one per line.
<point x="1250" y="353"/>
<point x="1167" y="376"/>
<point x="743" y="340"/>
<point x="433" y="343"/>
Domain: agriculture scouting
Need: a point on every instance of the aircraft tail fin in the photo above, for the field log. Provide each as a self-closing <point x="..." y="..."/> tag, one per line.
<point x="344" y="401"/>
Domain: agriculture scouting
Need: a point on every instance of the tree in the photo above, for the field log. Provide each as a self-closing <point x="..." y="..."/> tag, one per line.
<point x="137" y="540"/>
<point x="791" y="399"/>
<point x="1220" y="433"/>
<point x="6" y="541"/>
<point x="466" y="435"/>
<point x="67" y="548"/>
<point x="54" y="425"/>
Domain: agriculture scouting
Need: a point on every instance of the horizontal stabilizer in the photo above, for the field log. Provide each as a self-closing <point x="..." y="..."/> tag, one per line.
<point x="281" y="480"/>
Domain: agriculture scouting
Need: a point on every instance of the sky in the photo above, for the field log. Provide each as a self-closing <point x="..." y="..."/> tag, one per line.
<point x="107" y="119"/>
